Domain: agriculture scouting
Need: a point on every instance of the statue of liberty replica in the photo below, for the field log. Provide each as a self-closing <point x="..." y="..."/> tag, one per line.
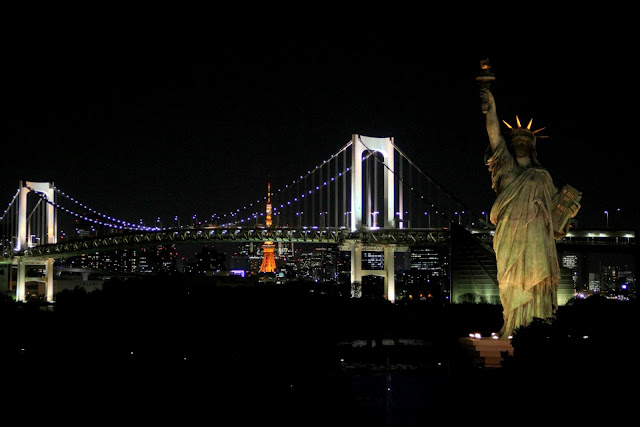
<point x="529" y="214"/>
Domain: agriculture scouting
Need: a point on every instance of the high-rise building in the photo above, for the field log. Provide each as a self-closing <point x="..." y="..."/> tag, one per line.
<point x="372" y="260"/>
<point x="617" y="280"/>
<point x="208" y="261"/>
<point x="424" y="276"/>
<point x="167" y="258"/>
<point x="145" y="261"/>
<point x="428" y="259"/>
<point x="573" y="263"/>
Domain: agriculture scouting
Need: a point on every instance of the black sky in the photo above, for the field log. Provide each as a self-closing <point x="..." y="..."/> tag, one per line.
<point x="166" y="123"/>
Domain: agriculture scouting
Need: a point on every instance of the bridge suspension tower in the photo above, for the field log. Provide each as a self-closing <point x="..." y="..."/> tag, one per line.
<point x="360" y="218"/>
<point x="46" y="191"/>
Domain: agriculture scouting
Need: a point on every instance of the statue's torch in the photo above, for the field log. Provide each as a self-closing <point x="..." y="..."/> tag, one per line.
<point x="485" y="78"/>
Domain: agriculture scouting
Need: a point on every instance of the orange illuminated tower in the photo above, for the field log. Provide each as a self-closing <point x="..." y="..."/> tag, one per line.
<point x="268" y="248"/>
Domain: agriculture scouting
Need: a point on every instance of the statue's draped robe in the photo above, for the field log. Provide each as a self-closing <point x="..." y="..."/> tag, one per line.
<point x="524" y="243"/>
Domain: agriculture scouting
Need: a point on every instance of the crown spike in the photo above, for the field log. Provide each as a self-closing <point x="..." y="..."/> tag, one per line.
<point x="508" y="125"/>
<point x="536" y="131"/>
<point x="518" y="120"/>
<point x="529" y="125"/>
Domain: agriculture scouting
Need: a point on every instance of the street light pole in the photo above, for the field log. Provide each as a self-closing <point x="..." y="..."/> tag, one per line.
<point x="374" y="218"/>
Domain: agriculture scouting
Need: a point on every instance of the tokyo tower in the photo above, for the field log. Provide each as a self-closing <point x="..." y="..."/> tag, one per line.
<point x="268" y="248"/>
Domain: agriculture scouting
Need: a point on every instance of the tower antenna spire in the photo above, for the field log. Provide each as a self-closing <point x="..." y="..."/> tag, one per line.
<point x="268" y="221"/>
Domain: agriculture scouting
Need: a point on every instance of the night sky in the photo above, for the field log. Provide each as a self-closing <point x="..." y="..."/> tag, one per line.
<point x="158" y="124"/>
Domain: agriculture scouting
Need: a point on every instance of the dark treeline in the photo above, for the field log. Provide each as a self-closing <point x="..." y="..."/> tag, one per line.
<point x="181" y="342"/>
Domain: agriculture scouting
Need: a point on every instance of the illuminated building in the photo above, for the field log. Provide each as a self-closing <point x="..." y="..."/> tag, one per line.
<point x="268" y="248"/>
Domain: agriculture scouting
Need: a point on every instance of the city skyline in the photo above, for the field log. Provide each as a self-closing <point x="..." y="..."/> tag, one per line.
<point x="592" y="268"/>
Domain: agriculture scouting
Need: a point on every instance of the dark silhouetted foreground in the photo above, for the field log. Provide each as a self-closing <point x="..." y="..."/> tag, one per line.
<point x="176" y="349"/>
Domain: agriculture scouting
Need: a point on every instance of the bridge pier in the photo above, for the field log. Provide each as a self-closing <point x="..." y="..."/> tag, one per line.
<point x="49" y="284"/>
<point x="390" y="277"/>
<point x="22" y="279"/>
<point x="388" y="272"/>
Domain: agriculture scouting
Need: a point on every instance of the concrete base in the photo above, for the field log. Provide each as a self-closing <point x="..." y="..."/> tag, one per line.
<point x="487" y="352"/>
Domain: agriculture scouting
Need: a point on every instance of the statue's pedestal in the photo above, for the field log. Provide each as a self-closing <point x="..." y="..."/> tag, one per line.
<point x="487" y="352"/>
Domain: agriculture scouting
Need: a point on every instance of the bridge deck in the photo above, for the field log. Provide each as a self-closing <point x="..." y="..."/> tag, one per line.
<point x="296" y="235"/>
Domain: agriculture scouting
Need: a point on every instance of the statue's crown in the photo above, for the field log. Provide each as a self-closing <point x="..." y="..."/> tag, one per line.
<point x="524" y="131"/>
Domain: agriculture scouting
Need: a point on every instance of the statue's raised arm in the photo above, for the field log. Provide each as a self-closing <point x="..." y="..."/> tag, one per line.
<point x="489" y="109"/>
<point x="488" y="105"/>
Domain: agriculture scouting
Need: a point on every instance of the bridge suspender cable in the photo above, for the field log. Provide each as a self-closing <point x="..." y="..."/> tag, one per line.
<point x="114" y="223"/>
<point x="235" y="213"/>
<point x="431" y="180"/>
<point x="10" y="204"/>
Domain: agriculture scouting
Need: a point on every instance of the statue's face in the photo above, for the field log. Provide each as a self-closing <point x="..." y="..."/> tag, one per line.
<point x="522" y="146"/>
